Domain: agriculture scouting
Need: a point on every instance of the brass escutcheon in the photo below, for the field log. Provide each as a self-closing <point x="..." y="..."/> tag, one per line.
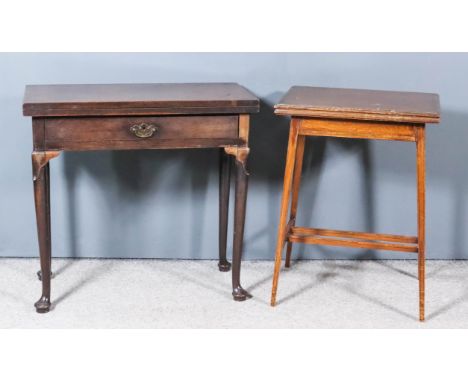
<point x="143" y="130"/>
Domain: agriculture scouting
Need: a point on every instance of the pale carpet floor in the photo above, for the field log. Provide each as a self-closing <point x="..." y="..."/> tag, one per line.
<point x="194" y="294"/>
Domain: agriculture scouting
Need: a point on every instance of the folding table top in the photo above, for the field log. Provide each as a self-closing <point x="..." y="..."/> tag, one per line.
<point x="139" y="99"/>
<point x="374" y="105"/>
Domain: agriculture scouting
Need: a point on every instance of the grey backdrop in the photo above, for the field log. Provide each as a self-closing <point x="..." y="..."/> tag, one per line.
<point x="164" y="203"/>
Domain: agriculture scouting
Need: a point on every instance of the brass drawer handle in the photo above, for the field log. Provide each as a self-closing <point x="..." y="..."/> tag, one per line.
<point x="143" y="130"/>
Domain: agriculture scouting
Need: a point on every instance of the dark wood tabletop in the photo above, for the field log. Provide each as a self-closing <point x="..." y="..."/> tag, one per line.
<point x="360" y="104"/>
<point x="138" y="99"/>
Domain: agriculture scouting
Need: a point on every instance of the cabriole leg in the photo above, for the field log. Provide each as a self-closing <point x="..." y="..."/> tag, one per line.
<point x="41" y="179"/>
<point x="241" y="154"/>
<point x="224" y="185"/>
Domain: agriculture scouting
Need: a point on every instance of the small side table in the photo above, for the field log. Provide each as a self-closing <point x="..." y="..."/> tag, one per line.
<point x="139" y="117"/>
<point x="361" y="114"/>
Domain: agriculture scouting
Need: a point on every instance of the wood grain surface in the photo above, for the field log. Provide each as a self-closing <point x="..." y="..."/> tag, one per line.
<point x="140" y="99"/>
<point x="374" y="105"/>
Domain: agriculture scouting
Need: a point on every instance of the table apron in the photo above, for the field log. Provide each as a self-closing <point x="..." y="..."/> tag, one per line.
<point x="148" y="132"/>
<point x="358" y="129"/>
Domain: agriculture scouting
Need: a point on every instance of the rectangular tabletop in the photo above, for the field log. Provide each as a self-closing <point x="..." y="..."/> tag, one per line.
<point x="385" y="106"/>
<point x="138" y="99"/>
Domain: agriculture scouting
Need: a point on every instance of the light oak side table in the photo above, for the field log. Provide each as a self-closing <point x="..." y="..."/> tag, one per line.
<point x="359" y="114"/>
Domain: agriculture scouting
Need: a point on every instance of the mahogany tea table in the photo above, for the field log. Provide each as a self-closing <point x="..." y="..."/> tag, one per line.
<point x="359" y="114"/>
<point x="140" y="117"/>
